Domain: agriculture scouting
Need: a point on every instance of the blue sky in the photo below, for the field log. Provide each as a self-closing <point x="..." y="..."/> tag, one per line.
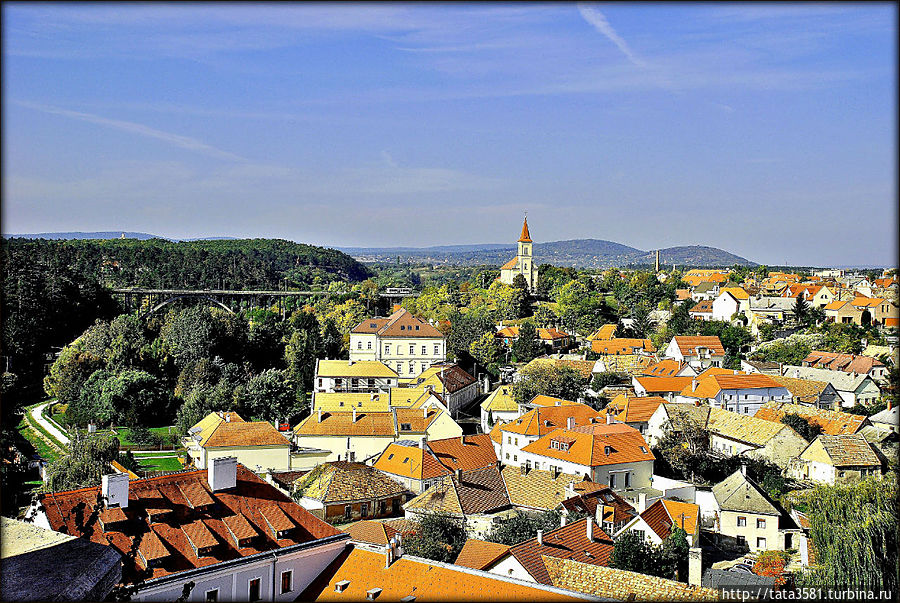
<point x="768" y="130"/>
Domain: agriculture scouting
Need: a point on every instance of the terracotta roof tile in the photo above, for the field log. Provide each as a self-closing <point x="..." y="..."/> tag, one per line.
<point x="70" y="512"/>
<point x="604" y="332"/>
<point x="543" y="420"/>
<point x="658" y="385"/>
<point x="616" y="508"/>
<point x="595" y="445"/>
<point x="832" y="422"/>
<point x="355" y="368"/>
<point x="465" y="452"/>
<point x="399" y="324"/>
<point x="427" y="581"/>
<point x="537" y="489"/>
<point x="621" y="346"/>
<point x="372" y="532"/>
<point x="199" y="534"/>
<point x="663" y="514"/>
<point x="634" y="409"/>
<point x="584" y="367"/>
<point x="239" y="527"/>
<point x="567" y="542"/>
<point x="663" y="368"/>
<point x="241" y="434"/>
<point x="476" y="491"/>
<point x="410" y="461"/>
<point x="480" y="554"/>
<point x="501" y="400"/>
<point x="525" y="237"/>
<point x="611" y="583"/>
<point x="688" y="344"/>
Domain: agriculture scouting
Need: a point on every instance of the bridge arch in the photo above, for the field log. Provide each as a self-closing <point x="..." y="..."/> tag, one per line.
<point x="177" y="297"/>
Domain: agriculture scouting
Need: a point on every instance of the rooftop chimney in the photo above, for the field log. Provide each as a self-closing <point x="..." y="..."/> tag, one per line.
<point x="562" y="519"/>
<point x="354" y="415"/>
<point x="462" y="439"/>
<point x="540" y="537"/>
<point x="570" y="422"/>
<point x="609" y="418"/>
<point x="228" y="417"/>
<point x="590" y="529"/>
<point x="695" y="566"/>
<point x="424" y="412"/>
<point x="694" y="385"/>
<point x="744" y="470"/>
<point x="459" y="475"/>
<point x="114" y="488"/>
<point x="320" y="415"/>
<point x="222" y="473"/>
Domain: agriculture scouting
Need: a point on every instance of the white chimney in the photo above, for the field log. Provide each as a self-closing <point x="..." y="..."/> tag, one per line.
<point x="320" y="414"/>
<point x="642" y="502"/>
<point x="609" y="418"/>
<point x="695" y="566"/>
<point x="562" y="519"/>
<point x="590" y="529"/>
<point x="354" y="415"/>
<point x="570" y="422"/>
<point x="424" y="412"/>
<point x="114" y="488"/>
<point x="228" y="417"/>
<point x="540" y="537"/>
<point x="222" y="473"/>
<point x="694" y="385"/>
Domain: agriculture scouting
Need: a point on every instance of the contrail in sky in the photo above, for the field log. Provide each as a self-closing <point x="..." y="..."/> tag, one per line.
<point x="593" y="16"/>
<point x="185" y="142"/>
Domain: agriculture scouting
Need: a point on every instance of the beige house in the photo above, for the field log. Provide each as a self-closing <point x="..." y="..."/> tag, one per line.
<point x="835" y="459"/>
<point x="406" y="344"/>
<point x="734" y="434"/>
<point x="358" y="436"/>
<point x="354" y="376"/>
<point x="523" y="263"/>
<point x="746" y="518"/>
<point x="346" y="491"/>
<point x="257" y="445"/>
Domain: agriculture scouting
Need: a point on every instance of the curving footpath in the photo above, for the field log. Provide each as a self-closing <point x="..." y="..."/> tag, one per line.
<point x="38" y="416"/>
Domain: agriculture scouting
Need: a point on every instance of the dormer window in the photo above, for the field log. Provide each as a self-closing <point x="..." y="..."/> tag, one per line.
<point x="405" y="427"/>
<point x="607" y="450"/>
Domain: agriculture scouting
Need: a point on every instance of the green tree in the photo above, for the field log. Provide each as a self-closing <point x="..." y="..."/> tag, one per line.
<point x="854" y="531"/>
<point x="527" y="346"/>
<point x="88" y="459"/>
<point x="807" y="429"/>
<point x="800" y="309"/>
<point x="137" y="398"/>
<point x="601" y="380"/>
<point x="632" y="553"/>
<point x="69" y="372"/>
<point x="189" y="335"/>
<point x="524" y="526"/>
<point x="559" y="381"/>
<point x="91" y="406"/>
<point x="269" y="396"/>
<point x="487" y="351"/>
<point x="126" y="341"/>
<point x="332" y="343"/>
<point x="439" y="537"/>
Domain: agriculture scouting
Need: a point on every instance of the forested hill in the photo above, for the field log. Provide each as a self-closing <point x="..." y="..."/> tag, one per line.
<point x="206" y="264"/>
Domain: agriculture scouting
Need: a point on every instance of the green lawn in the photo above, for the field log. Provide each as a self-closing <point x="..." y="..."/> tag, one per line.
<point x="169" y="463"/>
<point x="40" y="446"/>
<point x="124" y="435"/>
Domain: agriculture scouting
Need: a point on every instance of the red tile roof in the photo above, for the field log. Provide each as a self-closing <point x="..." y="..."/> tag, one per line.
<point x="543" y="420"/>
<point x="480" y="554"/>
<point x="663" y="384"/>
<point x="616" y="508"/>
<point x="568" y="542"/>
<point x="688" y="344"/>
<point x="621" y="345"/>
<point x="525" y="237"/>
<point x="663" y="514"/>
<point x="71" y="512"/>
<point x="372" y="532"/>
<point x="399" y="324"/>
<point x="466" y="452"/>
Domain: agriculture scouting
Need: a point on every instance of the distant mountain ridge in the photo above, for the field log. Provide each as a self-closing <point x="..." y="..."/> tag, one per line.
<point x="578" y="253"/>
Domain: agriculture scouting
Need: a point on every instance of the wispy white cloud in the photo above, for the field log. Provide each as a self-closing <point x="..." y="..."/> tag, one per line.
<point x="184" y="142"/>
<point x="597" y="19"/>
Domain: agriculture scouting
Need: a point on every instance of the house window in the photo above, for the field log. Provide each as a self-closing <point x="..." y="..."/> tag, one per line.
<point x="640" y="533"/>
<point x="509" y="439"/>
<point x="412" y="349"/>
<point x="760" y="543"/>
<point x="359" y="345"/>
<point x="515" y="457"/>
<point x="364" y="509"/>
<point x="253" y="590"/>
<point x="742" y="522"/>
<point x="348" y="511"/>
<point x="507" y="456"/>
<point x="382" y="507"/>
<point x="612" y="481"/>
<point x="424" y="351"/>
<point x="286" y="579"/>
<point x="411" y="368"/>
<point x="320" y="383"/>
<point x="369" y="345"/>
<point x="628" y="479"/>
<point x="437" y="349"/>
<point x="212" y="595"/>
<point x="405" y="426"/>
<point x="387" y="349"/>
<point x="741" y="540"/>
<point x="760" y="524"/>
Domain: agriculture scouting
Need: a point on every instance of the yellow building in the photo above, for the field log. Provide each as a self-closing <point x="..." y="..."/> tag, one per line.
<point x="523" y="263"/>
<point x="256" y="444"/>
<point x="404" y="343"/>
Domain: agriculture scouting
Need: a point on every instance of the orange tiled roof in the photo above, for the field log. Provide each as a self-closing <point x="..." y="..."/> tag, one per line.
<point x="367" y="423"/>
<point x="634" y="409"/>
<point x="399" y="324"/>
<point x="594" y="445"/>
<point x="425" y="580"/>
<point x="688" y="344"/>
<point x="372" y="532"/>
<point x="525" y="237"/>
<point x="67" y="512"/>
<point x="615" y="508"/>
<point x="480" y="554"/>
<point x="605" y="332"/>
<point x="257" y="433"/>
<point x="832" y="422"/>
<point x="466" y="452"/>
<point x="836" y="305"/>
<point x="704" y="306"/>
<point x="663" y="514"/>
<point x="544" y="420"/>
<point x="621" y="346"/>
<point x="849" y="363"/>
<point x="510" y="265"/>
<point x="410" y="461"/>
<point x="543" y="334"/>
<point x="710" y="386"/>
<point x="663" y="368"/>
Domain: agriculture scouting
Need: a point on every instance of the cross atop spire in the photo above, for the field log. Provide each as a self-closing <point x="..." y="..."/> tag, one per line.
<point x="526" y="237"/>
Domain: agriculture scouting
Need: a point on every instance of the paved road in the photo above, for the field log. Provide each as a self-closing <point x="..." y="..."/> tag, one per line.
<point x="36" y="414"/>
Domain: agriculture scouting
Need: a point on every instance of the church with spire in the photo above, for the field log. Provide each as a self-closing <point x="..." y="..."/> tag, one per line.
<point x="523" y="263"/>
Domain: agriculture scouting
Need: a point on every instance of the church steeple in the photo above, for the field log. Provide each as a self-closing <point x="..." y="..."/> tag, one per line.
<point x="526" y="237"/>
